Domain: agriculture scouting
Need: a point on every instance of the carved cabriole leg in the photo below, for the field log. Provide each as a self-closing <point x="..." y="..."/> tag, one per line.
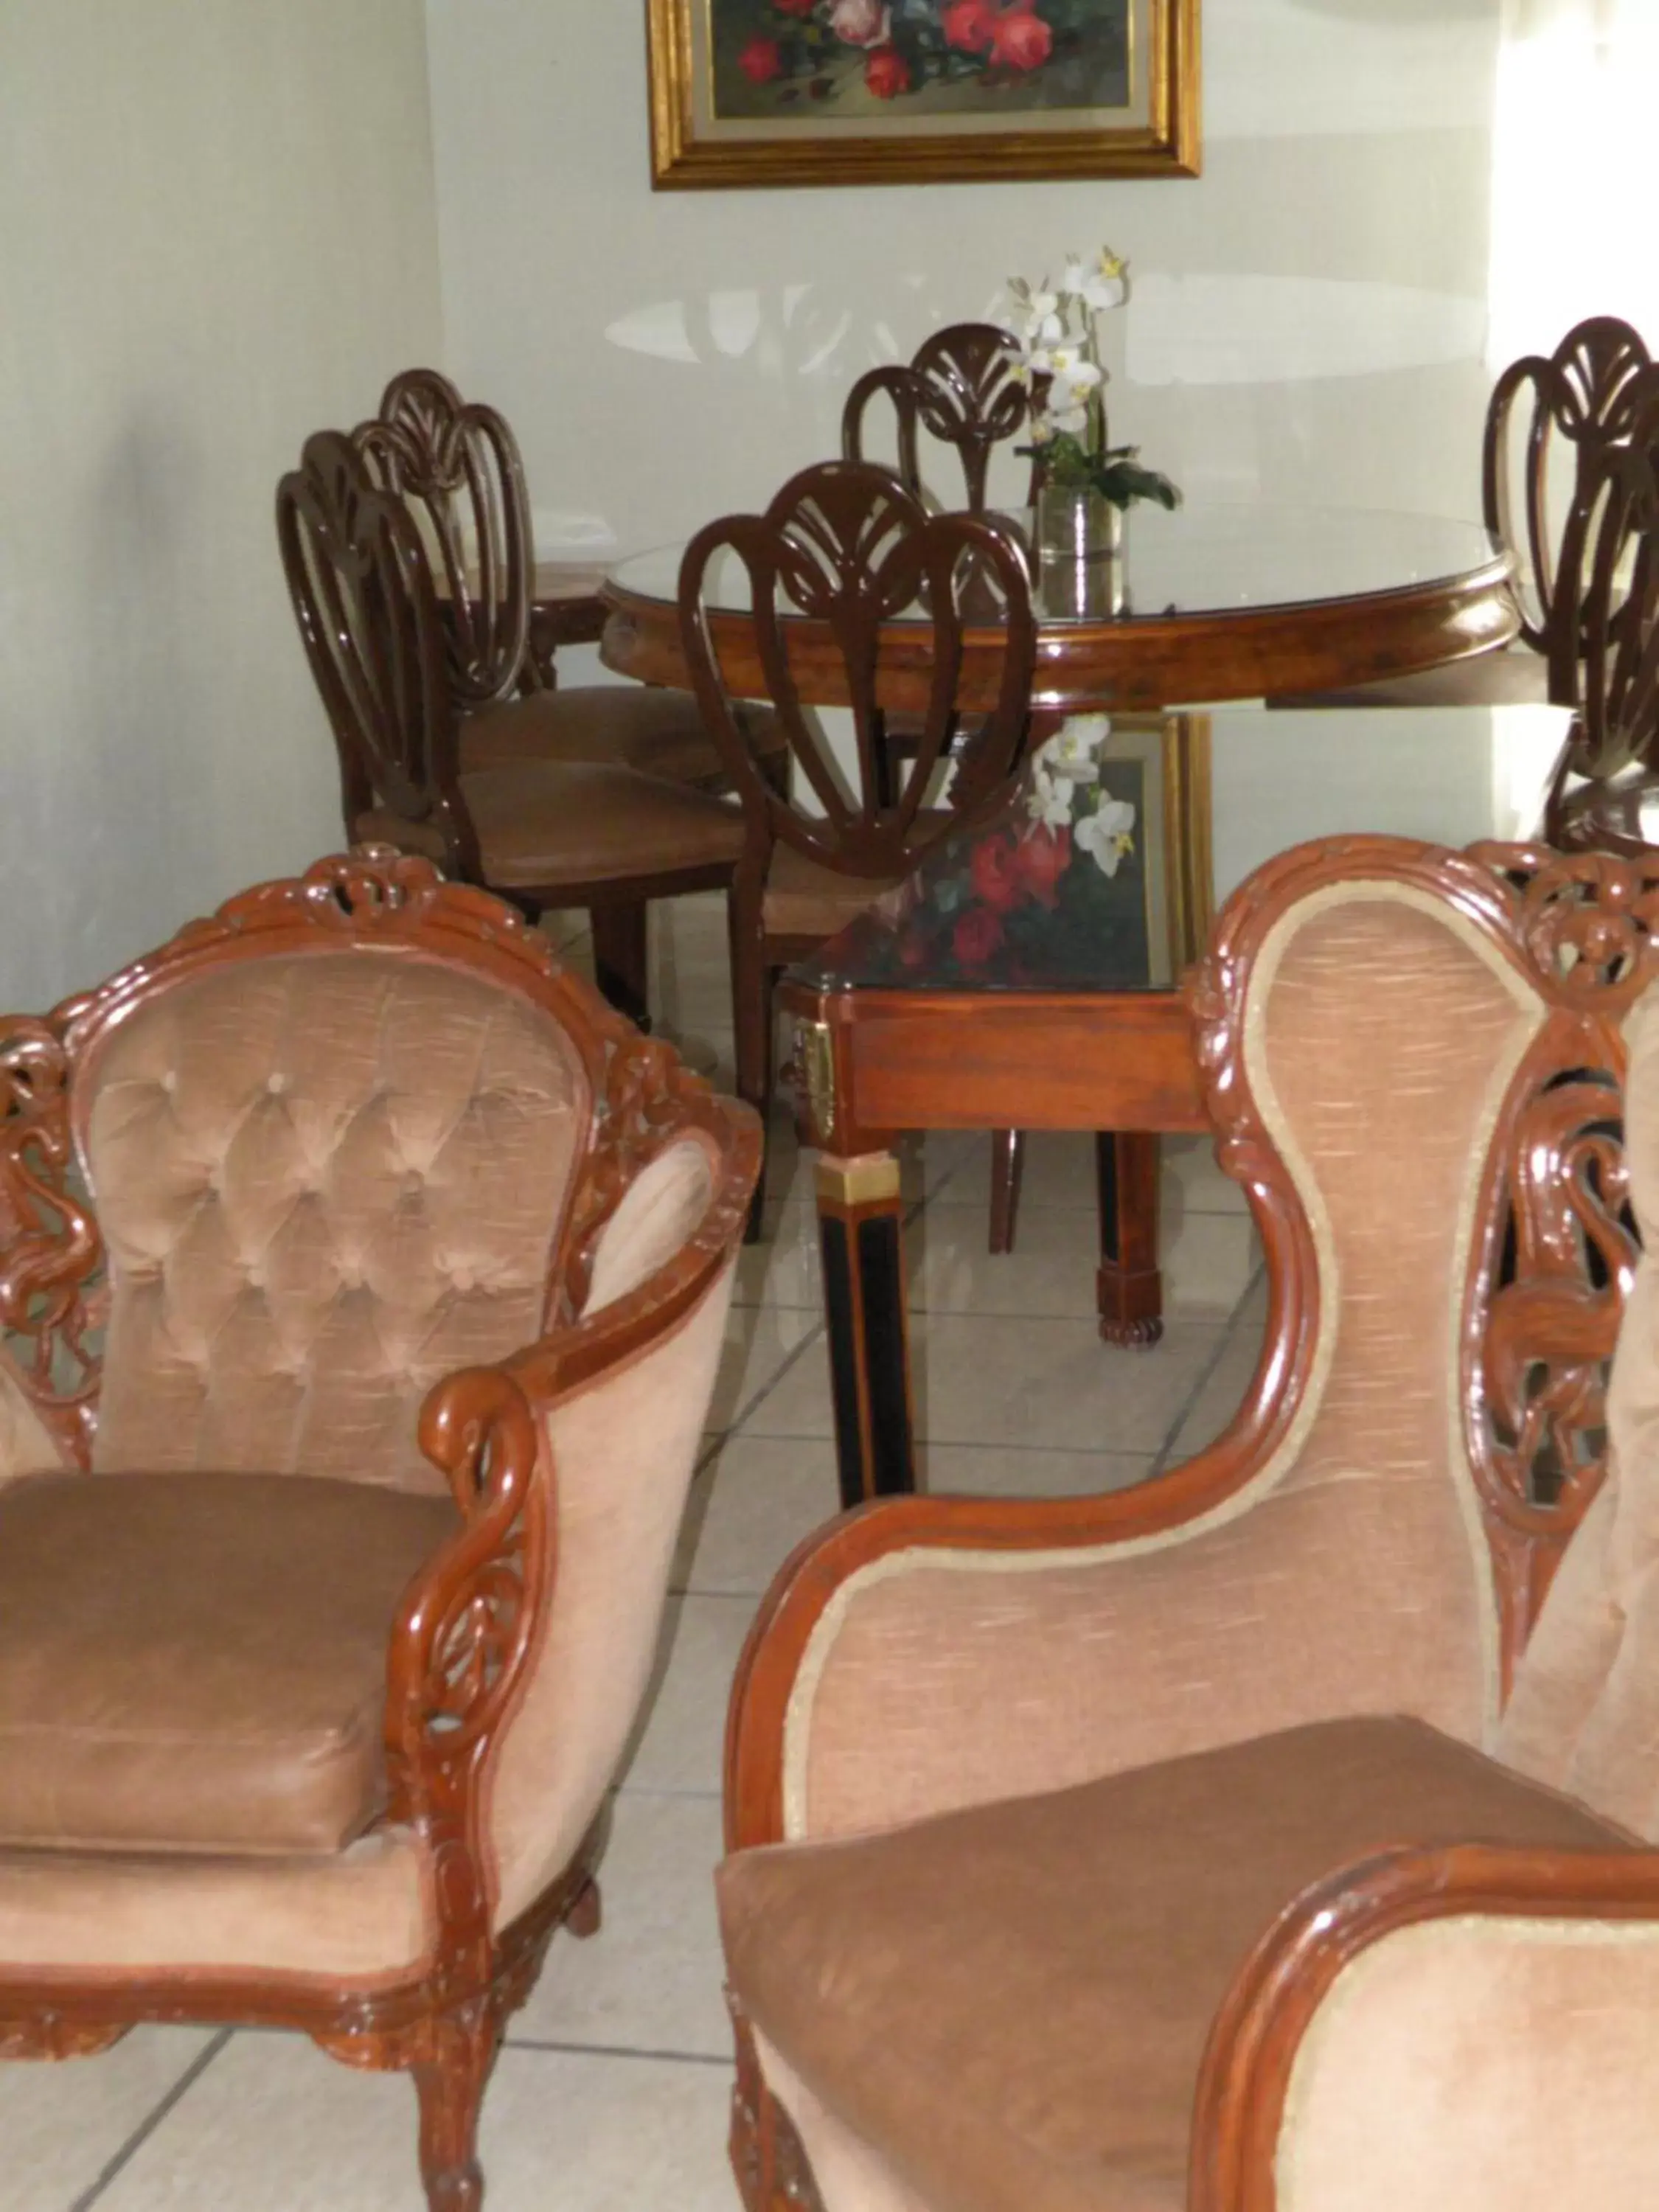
<point x="859" y="1214"/>
<point x="450" y="2065"/>
<point x="1129" y="1290"/>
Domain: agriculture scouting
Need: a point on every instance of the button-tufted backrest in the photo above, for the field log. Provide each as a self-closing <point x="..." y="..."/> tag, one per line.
<point x="325" y="1181"/>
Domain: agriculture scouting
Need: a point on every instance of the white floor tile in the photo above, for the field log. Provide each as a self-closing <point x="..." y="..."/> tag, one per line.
<point x="750" y="1509"/>
<point x="274" y="2126"/>
<point x="760" y="1342"/>
<point x="1051" y="1384"/>
<point x="651" y="1978"/>
<point x="678" y="1746"/>
<point x="62" y="2125"/>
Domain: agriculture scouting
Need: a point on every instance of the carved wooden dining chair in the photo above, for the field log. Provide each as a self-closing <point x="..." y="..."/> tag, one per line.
<point x="456" y="466"/>
<point x="398" y="687"/>
<point x="362" y="1278"/>
<point x="1277" y="1835"/>
<point x="1603" y="793"/>
<point x="960" y="387"/>
<point x="1584" y="395"/>
<point x="848" y="545"/>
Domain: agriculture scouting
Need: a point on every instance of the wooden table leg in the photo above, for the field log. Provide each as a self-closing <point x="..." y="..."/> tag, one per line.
<point x="1128" y="1289"/>
<point x="859" y="1215"/>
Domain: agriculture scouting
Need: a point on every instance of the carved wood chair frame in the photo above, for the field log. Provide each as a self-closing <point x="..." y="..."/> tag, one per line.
<point x="1587" y="392"/>
<point x="1551" y="1261"/>
<point x="959" y="386"/>
<point x="460" y="1646"/>
<point x="849" y="546"/>
<point x="1612" y="747"/>
<point x="456" y="464"/>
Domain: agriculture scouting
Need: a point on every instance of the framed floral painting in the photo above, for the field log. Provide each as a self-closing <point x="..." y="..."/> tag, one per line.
<point x="839" y="92"/>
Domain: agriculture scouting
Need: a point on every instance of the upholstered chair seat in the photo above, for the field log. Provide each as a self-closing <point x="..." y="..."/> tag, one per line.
<point x="365" y="1280"/>
<point x="660" y="733"/>
<point x="1280" y="1834"/>
<point x="590" y="824"/>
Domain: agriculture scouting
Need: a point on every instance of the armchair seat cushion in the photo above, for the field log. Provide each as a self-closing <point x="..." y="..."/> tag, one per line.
<point x="1009" y="2005"/>
<point x="197" y="1663"/>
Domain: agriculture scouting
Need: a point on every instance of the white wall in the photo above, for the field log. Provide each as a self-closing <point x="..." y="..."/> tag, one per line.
<point x="219" y="234"/>
<point x="1309" y="317"/>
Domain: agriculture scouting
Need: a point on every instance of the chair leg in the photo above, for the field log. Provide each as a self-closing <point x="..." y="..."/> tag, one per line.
<point x="1007" y="1165"/>
<point x="751" y="1026"/>
<point x="449" y="2081"/>
<point x="584" y="1915"/>
<point x="621" y="959"/>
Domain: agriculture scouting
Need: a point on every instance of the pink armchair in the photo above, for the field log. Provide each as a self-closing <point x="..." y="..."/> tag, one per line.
<point x="1277" y="1836"/>
<point x="364" y="1278"/>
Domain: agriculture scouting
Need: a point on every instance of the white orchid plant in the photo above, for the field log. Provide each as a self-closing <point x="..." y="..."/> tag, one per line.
<point x="1067" y="793"/>
<point x="1058" y="326"/>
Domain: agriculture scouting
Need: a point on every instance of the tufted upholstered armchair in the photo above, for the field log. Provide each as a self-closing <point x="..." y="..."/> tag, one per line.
<point x="1281" y="1835"/>
<point x="363" y="1278"/>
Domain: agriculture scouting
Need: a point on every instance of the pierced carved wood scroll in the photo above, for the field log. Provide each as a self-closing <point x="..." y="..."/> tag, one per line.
<point x="1560" y="1244"/>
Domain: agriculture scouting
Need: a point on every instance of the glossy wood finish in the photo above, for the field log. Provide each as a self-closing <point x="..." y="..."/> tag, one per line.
<point x="469" y="1627"/>
<point x="1588" y="393"/>
<point x="1551" y="1261"/>
<point x="878" y="1062"/>
<point x="395" y="684"/>
<point x="959" y="386"/>
<point x="845" y="545"/>
<point x="1126" y="662"/>
<point x="1608" y="766"/>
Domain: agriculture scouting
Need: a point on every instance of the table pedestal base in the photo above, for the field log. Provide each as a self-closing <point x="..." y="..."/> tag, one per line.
<point x="860" y="1220"/>
<point x="1129" y="1287"/>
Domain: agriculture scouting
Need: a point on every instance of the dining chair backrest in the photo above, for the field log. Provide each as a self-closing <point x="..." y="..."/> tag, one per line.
<point x="848" y="547"/>
<point x="1585" y="393"/>
<point x="368" y="612"/>
<point x="456" y="465"/>
<point x="960" y="387"/>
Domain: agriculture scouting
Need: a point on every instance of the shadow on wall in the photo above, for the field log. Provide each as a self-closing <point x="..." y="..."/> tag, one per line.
<point x="142" y="688"/>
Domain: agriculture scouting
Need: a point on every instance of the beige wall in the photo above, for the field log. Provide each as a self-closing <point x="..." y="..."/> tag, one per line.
<point x="1309" y="317"/>
<point x="219" y="233"/>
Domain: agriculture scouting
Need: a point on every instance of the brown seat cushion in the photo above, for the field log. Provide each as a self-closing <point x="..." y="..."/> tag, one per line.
<point x="803" y="898"/>
<point x="553" y="826"/>
<point x="198" y="1662"/>
<point x="610" y="724"/>
<point x="1010" y="2003"/>
<point x="1517" y="677"/>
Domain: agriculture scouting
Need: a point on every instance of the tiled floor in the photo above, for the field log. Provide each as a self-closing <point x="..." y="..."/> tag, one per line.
<point x="612" y="2090"/>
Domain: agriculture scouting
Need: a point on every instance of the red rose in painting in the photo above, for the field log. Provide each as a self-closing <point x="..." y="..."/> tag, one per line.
<point x="977" y="934"/>
<point x="995" y="876"/>
<point x="1021" y="40"/>
<point x="886" y="73"/>
<point x="969" y="25"/>
<point x="760" y="61"/>
<point x="862" y="23"/>
<point x="795" y="7"/>
<point x="1039" y="859"/>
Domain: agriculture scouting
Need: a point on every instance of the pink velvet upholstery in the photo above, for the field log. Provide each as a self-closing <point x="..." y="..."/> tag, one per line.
<point x="1349" y="1576"/>
<point x="323" y="1183"/>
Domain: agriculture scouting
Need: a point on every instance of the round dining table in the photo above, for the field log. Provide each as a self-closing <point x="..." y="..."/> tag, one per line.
<point x="1208" y="603"/>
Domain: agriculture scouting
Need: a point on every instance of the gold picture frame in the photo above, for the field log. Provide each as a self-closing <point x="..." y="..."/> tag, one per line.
<point x="808" y="111"/>
<point x="1169" y="758"/>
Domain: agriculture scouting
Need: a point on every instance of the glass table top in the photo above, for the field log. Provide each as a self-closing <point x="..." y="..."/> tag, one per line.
<point x="1200" y="559"/>
<point x="1105" y="879"/>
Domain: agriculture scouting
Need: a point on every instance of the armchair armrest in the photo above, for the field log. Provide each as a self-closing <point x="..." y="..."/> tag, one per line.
<point x="521" y="1652"/>
<point x="1475" y="2025"/>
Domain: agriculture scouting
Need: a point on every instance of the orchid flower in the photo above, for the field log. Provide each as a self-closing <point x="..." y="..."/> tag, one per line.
<point x="1049" y="799"/>
<point x="1073" y="751"/>
<point x="1107" y="834"/>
